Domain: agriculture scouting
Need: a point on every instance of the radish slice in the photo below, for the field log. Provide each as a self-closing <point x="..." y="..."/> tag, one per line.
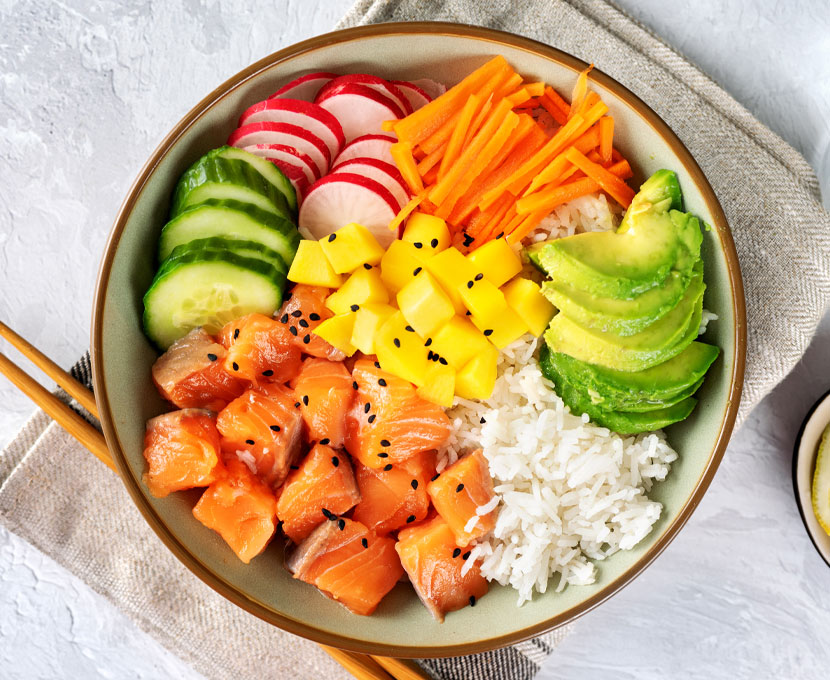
<point x="287" y="134"/>
<point x="310" y="116"/>
<point x="368" y="146"/>
<point x="345" y="197"/>
<point x="287" y="154"/>
<point x="305" y="87"/>
<point x="295" y="175"/>
<point x="432" y="88"/>
<point x="416" y="96"/>
<point x="380" y="85"/>
<point x="360" y="110"/>
<point x="380" y="171"/>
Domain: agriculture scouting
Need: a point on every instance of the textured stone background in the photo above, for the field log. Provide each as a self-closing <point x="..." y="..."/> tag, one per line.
<point x="86" y="92"/>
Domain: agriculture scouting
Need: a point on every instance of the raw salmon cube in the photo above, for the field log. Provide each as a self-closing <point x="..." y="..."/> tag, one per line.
<point x="261" y="350"/>
<point x="459" y="492"/>
<point x="302" y="311"/>
<point x="324" y="485"/>
<point x="241" y="509"/>
<point x="191" y="373"/>
<point x="324" y="390"/>
<point x="348" y="563"/>
<point x="182" y="451"/>
<point x="434" y="563"/>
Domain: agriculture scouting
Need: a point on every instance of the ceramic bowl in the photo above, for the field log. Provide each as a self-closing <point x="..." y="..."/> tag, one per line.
<point x="122" y="356"/>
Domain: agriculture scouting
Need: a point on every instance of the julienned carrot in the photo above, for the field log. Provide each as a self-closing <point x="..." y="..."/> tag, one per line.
<point x="431" y="178"/>
<point x="430" y="160"/>
<point x="499" y="210"/>
<point x="596" y="112"/>
<point x="527" y="225"/>
<point x="552" y="172"/>
<point x="518" y="97"/>
<point x="553" y="110"/>
<point x="459" y="133"/>
<point x="590" y="100"/>
<point x="606" y="138"/>
<point x="554" y="97"/>
<point x="580" y="91"/>
<point x="609" y="182"/>
<point x="529" y="105"/>
<point x="406" y="211"/>
<point x="507" y="86"/>
<point x="422" y="123"/>
<point x="402" y="155"/>
<point x="475" y="126"/>
<point x="536" y="89"/>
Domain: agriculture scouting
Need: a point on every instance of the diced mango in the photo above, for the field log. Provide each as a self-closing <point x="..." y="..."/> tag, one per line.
<point x="427" y="232"/>
<point x="458" y="341"/>
<point x="311" y="267"/>
<point x="351" y="247"/>
<point x="483" y="299"/>
<point x="525" y="296"/>
<point x="401" y="351"/>
<point x="507" y="327"/>
<point x="368" y="320"/>
<point x="337" y="331"/>
<point x="497" y="261"/>
<point x="478" y="377"/>
<point x="439" y="384"/>
<point x="451" y="269"/>
<point x="400" y="263"/>
<point x="364" y="285"/>
<point x="424" y="304"/>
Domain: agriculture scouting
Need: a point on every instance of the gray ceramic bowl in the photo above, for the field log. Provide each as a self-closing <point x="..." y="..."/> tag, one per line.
<point x="122" y="356"/>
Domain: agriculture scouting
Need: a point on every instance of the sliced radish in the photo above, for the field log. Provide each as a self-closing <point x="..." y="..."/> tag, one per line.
<point x="416" y="96"/>
<point x="285" y="134"/>
<point x="337" y="200"/>
<point x="380" y="85"/>
<point x="305" y="87"/>
<point x="368" y="146"/>
<point x="432" y="88"/>
<point x="307" y="115"/>
<point x="360" y="110"/>
<point x="380" y="171"/>
<point x="287" y="154"/>
<point x="295" y="175"/>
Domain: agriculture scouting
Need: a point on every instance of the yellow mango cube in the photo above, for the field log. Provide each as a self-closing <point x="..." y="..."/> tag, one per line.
<point x="364" y="285"/>
<point x="427" y="232"/>
<point x="497" y="261"/>
<point x="451" y="269"/>
<point x="478" y="377"/>
<point x="439" y="385"/>
<point x="483" y="299"/>
<point x="400" y="264"/>
<point x="337" y="331"/>
<point x="525" y="297"/>
<point x="424" y="304"/>
<point x="367" y="321"/>
<point x="351" y="247"/>
<point x="507" y="327"/>
<point x="458" y="341"/>
<point x="401" y="351"/>
<point x="311" y="267"/>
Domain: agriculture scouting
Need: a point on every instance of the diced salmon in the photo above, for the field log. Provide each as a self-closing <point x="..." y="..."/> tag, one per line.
<point x="391" y="499"/>
<point x="348" y="563"/>
<point x="459" y="491"/>
<point x="303" y="310"/>
<point x="434" y="563"/>
<point x="389" y="422"/>
<point x="182" y="451"/>
<point x="260" y="349"/>
<point x="323" y="486"/>
<point x="263" y="427"/>
<point x="241" y="509"/>
<point x="324" y="390"/>
<point x="191" y="373"/>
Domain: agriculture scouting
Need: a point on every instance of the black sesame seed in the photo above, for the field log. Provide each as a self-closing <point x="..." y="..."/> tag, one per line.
<point x="372" y="418"/>
<point x="284" y="318"/>
<point x="385" y="442"/>
<point x="306" y="339"/>
<point x="303" y="323"/>
<point x="354" y="308"/>
<point x="325" y="441"/>
<point x="469" y="284"/>
<point x="488" y="332"/>
<point x="305" y="399"/>
<point x="366" y="265"/>
<point x="416" y="271"/>
<point x="414" y="483"/>
<point x="429" y="356"/>
<point x="410" y="519"/>
<point x="468" y="313"/>
<point x="468" y="240"/>
<point x="332" y="237"/>
<point x="466" y="555"/>
<point x="341" y="524"/>
<point x="388" y="467"/>
<point x="435" y="476"/>
<point x="382" y="382"/>
<point x="418" y="244"/>
<point x="383" y="454"/>
<point x="428" y="342"/>
<point x="355" y="385"/>
<point x="235" y="366"/>
<point x="479" y="276"/>
<point x="297" y="313"/>
<point x="275" y="428"/>
<point x="456" y="552"/>
<point x="434" y="243"/>
<point x="334" y="460"/>
<point x="294" y="467"/>
<point x="435" y="356"/>
<point x="410" y="329"/>
<point x="472" y="600"/>
<point x="235" y="333"/>
<point x="442" y="361"/>
<point x="212" y="356"/>
<point x="293" y="330"/>
<point x="296" y="404"/>
<point x="314" y="316"/>
<point x="364" y="542"/>
<point x="249" y="442"/>
<point x="268" y="372"/>
<point x="377" y="364"/>
<point x="482" y="421"/>
<point x="397" y="342"/>
<point x="328" y="514"/>
<point x="367" y="407"/>
<point x="501" y="233"/>
<point x="459" y="488"/>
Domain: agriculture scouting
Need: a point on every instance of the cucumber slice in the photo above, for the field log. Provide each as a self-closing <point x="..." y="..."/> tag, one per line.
<point x="207" y="288"/>
<point x="213" y="177"/>
<point x="250" y="249"/>
<point x="232" y="219"/>
<point x="266" y="168"/>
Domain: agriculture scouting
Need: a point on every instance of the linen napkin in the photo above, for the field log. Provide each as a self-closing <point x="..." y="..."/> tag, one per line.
<point x="55" y="495"/>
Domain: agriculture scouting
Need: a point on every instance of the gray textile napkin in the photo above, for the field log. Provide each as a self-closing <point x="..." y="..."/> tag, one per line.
<point x="56" y="496"/>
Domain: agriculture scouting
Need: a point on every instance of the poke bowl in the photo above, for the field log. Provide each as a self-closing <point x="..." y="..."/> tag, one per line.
<point x="678" y="465"/>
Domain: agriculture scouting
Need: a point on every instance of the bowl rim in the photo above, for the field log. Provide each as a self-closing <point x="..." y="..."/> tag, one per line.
<point x="447" y="29"/>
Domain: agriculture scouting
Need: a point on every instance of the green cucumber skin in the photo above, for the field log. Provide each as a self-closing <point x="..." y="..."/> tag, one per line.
<point x="227" y="217"/>
<point x="270" y="172"/>
<point x="248" y="249"/>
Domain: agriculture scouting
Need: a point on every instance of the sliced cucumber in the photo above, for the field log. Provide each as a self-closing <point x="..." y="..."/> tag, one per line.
<point x="265" y="168"/>
<point x="242" y="248"/>
<point x="232" y="219"/>
<point x="208" y="288"/>
<point x="218" y="178"/>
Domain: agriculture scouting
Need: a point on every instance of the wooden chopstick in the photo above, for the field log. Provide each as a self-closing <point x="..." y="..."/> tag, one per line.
<point x="362" y="666"/>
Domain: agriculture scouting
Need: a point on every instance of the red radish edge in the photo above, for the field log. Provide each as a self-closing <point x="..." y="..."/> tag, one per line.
<point x="285" y="129"/>
<point x="384" y="87"/>
<point x="304" y="80"/>
<point x="365" y="91"/>
<point x="416" y="96"/>
<point x="363" y="140"/>
<point x="296" y="158"/>
<point x="388" y="168"/>
<point x="298" y="106"/>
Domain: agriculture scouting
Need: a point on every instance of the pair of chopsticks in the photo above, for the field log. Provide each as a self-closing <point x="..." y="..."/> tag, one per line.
<point x="361" y="666"/>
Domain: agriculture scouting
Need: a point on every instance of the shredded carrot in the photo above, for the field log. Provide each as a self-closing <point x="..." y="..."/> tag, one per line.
<point x="388" y="125"/>
<point x="402" y="155"/>
<point x="536" y="89"/>
<point x="520" y="96"/>
<point x="606" y="138"/>
<point x="406" y="211"/>
<point x="499" y="210"/>
<point x="458" y="134"/>
<point x="608" y="181"/>
<point x="590" y="100"/>
<point x="475" y="126"/>
<point x="431" y="160"/>
<point x="527" y="225"/>
<point x="507" y="86"/>
<point x="431" y="178"/>
<point x="529" y="105"/>
<point x="555" y="99"/>
<point x="580" y="91"/>
<point x="553" y="110"/>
